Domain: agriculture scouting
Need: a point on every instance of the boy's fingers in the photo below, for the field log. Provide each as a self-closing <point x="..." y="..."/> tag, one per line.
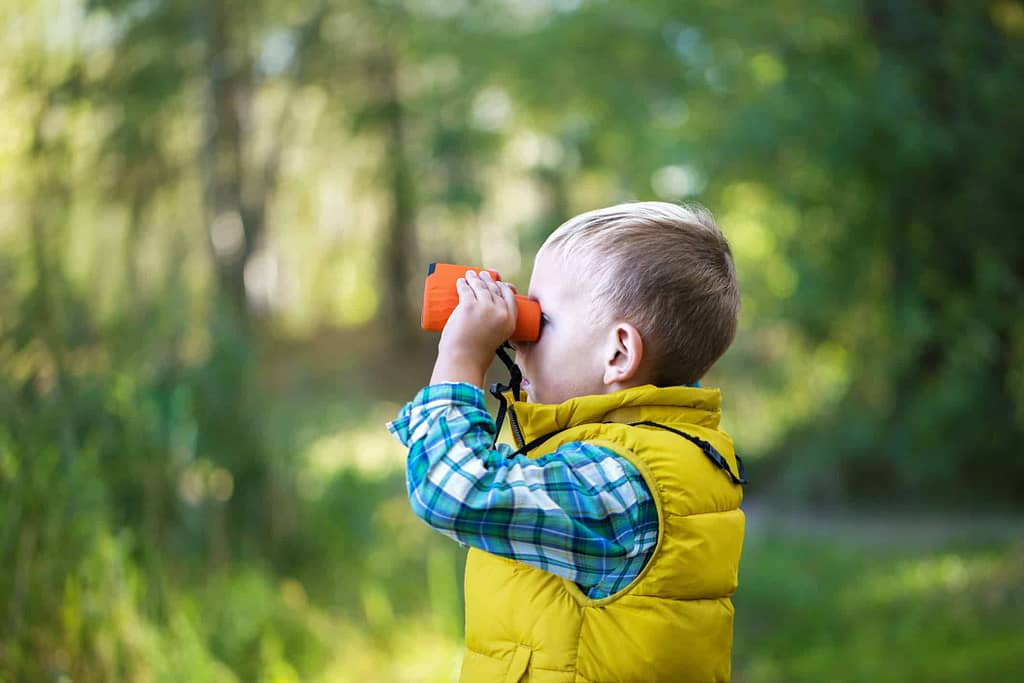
<point x="493" y="286"/>
<point x="499" y="286"/>
<point x="473" y="284"/>
<point x="484" y="289"/>
<point x="466" y="292"/>
<point x="509" y="295"/>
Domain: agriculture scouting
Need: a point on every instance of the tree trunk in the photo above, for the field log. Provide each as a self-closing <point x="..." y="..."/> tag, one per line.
<point x="51" y="197"/>
<point x="233" y="226"/>
<point x="400" y="243"/>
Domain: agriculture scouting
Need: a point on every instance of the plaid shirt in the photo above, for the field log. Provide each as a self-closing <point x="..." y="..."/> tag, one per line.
<point x="581" y="512"/>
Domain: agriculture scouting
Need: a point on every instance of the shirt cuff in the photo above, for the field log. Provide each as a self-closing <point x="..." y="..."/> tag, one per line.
<point x="430" y="398"/>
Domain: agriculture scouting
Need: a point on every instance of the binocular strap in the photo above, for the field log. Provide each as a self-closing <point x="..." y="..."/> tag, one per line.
<point x="499" y="390"/>
<point x="514" y="385"/>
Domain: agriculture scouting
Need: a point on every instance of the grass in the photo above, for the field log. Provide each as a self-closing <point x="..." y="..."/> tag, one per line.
<point x="867" y="599"/>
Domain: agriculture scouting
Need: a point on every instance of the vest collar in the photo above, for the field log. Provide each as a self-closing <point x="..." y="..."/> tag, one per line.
<point x="666" y="405"/>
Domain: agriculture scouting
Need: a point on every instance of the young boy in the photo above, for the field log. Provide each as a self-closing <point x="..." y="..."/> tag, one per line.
<point x="607" y="549"/>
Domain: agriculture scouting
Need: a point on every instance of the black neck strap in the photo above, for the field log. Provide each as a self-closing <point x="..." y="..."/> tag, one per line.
<point x="514" y="385"/>
<point x="710" y="451"/>
<point x="498" y="390"/>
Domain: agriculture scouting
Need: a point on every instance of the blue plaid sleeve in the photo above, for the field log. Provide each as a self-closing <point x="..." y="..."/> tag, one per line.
<point x="582" y="511"/>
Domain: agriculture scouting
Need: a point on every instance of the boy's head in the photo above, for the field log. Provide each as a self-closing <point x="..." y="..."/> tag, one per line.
<point x="632" y="294"/>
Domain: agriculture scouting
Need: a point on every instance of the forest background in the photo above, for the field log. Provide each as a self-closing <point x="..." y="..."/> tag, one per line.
<point x="215" y="219"/>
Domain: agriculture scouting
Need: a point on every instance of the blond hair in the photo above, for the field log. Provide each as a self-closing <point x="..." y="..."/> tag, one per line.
<point x="667" y="270"/>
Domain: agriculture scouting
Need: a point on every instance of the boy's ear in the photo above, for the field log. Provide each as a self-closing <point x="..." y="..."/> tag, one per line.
<point x="625" y="352"/>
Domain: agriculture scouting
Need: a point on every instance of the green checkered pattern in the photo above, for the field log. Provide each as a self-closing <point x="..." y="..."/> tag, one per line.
<point x="581" y="511"/>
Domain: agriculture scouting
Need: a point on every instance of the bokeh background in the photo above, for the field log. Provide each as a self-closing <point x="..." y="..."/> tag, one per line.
<point x="215" y="218"/>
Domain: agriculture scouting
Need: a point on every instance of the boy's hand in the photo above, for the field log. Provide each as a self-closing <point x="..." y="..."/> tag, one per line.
<point x="484" y="318"/>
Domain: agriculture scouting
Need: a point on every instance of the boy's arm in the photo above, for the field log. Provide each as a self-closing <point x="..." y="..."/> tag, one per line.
<point x="581" y="512"/>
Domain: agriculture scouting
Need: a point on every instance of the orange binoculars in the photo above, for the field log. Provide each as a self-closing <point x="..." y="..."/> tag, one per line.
<point x="440" y="298"/>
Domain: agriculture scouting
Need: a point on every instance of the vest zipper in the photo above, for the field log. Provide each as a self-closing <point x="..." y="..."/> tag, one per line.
<point x="517" y="432"/>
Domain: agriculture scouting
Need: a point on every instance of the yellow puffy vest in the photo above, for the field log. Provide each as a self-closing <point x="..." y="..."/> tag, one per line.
<point x="674" y="622"/>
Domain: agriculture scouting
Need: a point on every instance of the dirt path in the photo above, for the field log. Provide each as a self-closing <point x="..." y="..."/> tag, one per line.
<point x="878" y="527"/>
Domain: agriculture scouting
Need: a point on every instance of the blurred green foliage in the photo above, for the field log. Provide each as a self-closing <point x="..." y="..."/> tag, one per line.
<point x="876" y="600"/>
<point x="213" y="221"/>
